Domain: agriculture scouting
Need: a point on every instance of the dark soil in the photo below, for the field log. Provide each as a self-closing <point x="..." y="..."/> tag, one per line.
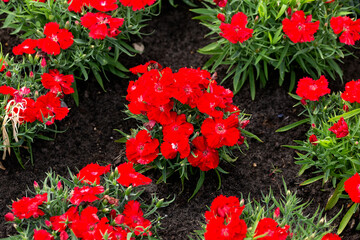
<point x="90" y="134"/>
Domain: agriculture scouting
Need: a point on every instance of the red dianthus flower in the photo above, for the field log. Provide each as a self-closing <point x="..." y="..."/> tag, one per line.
<point x="352" y="187"/>
<point x="57" y="82"/>
<point x="128" y="176"/>
<point x="42" y="235"/>
<point x="48" y="107"/>
<point x="29" y="207"/>
<point x="85" y="194"/>
<point x="331" y="236"/>
<point x="77" y="5"/>
<point x="221" y="132"/>
<point x="349" y="29"/>
<point x="92" y="172"/>
<point x="313" y="139"/>
<point x="270" y="227"/>
<point x="27" y="46"/>
<point x="352" y="91"/>
<point x="236" y="31"/>
<point x="203" y="156"/>
<point x="137" y="4"/>
<point x="104" y="5"/>
<point x="340" y="128"/>
<point x="142" y="149"/>
<point x="299" y="28"/>
<point x="310" y="89"/>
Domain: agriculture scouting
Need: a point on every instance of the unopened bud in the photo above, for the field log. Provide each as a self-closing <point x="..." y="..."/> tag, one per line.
<point x="160" y="203"/>
<point x="346" y="108"/>
<point x="112" y="214"/>
<point x="59" y="185"/>
<point x="9" y="217"/>
<point x="8" y="74"/>
<point x="106" y="210"/>
<point x="242" y="202"/>
<point x="128" y="191"/>
<point x="67" y="25"/>
<point x="119" y="219"/>
<point x="77" y="22"/>
<point x="221" y="17"/>
<point x="277" y="213"/>
<point x="43" y="63"/>
<point x="48" y="223"/>
<point x="51" y="17"/>
<point x="36" y="185"/>
<point x="313" y="125"/>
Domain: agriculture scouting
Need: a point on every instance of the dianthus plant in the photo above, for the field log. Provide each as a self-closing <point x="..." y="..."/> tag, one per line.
<point x="31" y="99"/>
<point x="94" y="204"/>
<point x="331" y="149"/>
<point x="78" y="35"/>
<point x="188" y="121"/>
<point x="271" y="218"/>
<point x="253" y="37"/>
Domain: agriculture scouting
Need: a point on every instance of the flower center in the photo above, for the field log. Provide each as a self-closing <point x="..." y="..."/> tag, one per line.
<point x="174" y="146"/>
<point x="313" y="87"/>
<point x="220" y="128"/>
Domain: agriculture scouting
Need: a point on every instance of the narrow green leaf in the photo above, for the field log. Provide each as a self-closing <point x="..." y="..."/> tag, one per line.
<point x="293" y="125"/>
<point x="347" y="218"/>
<point x="311" y="180"/>
<point x="336" y="195"/>
<point x="345" y="115"/>
<point x="198" y="185"/>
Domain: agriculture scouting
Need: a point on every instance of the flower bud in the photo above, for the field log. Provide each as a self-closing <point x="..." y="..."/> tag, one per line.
<point x="244" y="123"/>
<point x="31" y="59"/>
<point x="8" y="74"/>
<point x="241" y="140"/>
<point x="119" y="219"/>
<point x="77" y="23"/>
<point x="48" y="223"/>
<point x="43" y="63"/>
<point x="67" y="25"/>
<point x="346" y="108"/>
<point x="242" y="202"/>
<point x="59" y="185"/>
<point x="36" y="185"/>
<point x="64" y="235"/>
<point x="277" y="213"/>
<point x="160" y="203"/>
<point x="51" y="17"/>
<point x="106" y="210"/>
<point x="303" y="102"/>
<point x="128" y="191"/>
<point x="9" y="217"/>
<point x="313" y="125"/>
<point x="221" y="17"/>
<point x="112" y="214"/>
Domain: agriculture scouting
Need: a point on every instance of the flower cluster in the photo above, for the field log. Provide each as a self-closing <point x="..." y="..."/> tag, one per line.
<point x="185" y="104"/>
<point x="349" y="29"/>
<point x="92" y="211"/>
<point x="55" y="40"/>
<point x="312" y="90"/>
<point x="107" y="5"/>
<point x="352" y="91"/>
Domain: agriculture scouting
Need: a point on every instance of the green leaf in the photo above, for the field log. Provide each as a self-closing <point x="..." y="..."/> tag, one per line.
<point x="207" y="48"/>
<point x="311" y="180"/>
<point x="345" y="115"/>
<point x="121" y="140"/>
<point x="249" y="134"/>
<point x="198" y="185"/>
<point x="252" y="83"/>
<point x="8" y="20"/>
<point x="101" y="60"/>
<point x="44" y="137"/>
<point x="75" y="94"/>
<point x="293" y="125"/>
<point x="336" y="195"/>
<point x="347" y="218"/>
<point x="281" y="12"/>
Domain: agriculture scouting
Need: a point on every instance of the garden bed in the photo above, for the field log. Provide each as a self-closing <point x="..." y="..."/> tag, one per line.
<point x="90" y="135"/>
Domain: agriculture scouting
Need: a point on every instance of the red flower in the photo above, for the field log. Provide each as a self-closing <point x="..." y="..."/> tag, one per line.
<point x="129" y="176"/>
<point x="85" y="194"/>
<point x="270" y="227"/>
<point x="98" y="231"/>
<point x="142" y="149"/>
<point x="9" y="217"/>
<point x="340" y="128"/>
<point x="178" y="129"/>
<point x="220" y="132"/>
<point x="77" y="5"/>
<point x="140" y="69"/>
<point x="208" y="103"/>
<point x="310" y="89"/>
<point x="169" y="149"/>
<point x="98" y="24"/>
<point x="42" y="235"/>
<point x="56" y="39"/>
<point x="221" y="17"/>
<point x="352" y="91"/>
<point x="104" y="5"/>
<point x="230" y="229"/>
<point x="352" y="187"/>
<point x="48" y="108"/>
<point x="160" y="114"/>
<point x="3" y="66"/>
<point x="223" y="207"/>
<point x="137" y="4"/>
<point x="220" y="3"/>
<point x="57" y="82"/>
<point x="299" y="28"/>
<point x="313" y="139"/>
<point x="59" y="223"/>
<point x="236" y="31"/>
<point x="85" y="222"/>
<point x="350" y="29"/>
<point x="92" y="172"/>
<point x="29" y="207"/>
<point x="203" y="156"/>
<point x="27" y="46"/>
<point x="134" y="218"/>
<point x="331" y="236"/>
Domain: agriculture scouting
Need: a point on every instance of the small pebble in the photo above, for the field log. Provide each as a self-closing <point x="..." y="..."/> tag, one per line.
<point x="254" y="165"/>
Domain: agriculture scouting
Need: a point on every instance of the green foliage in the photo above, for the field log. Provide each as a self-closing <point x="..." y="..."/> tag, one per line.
<point x="269" y="47"/>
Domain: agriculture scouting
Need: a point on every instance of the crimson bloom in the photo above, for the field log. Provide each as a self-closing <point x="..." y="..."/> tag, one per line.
<point x="48" y="108"/>
<point x="300" y="28"/>
<point x="313" y="139"/>
<point x="178" y="129"/>
<point x="104" y="5"/>
<point x="57" y="82"/>
<point x="221" y="17"/>
<point x="270" y="227"/>
<point x="128" y="176"/>
<point x="340" y="128"/>
<point x="59" y="223"/>
<point x="42" y="235"/>
<point x="203" y="156"/>
<point x="236" y="31"/>
<point x="221" y="132"/>
<point x="77" y="5"/>
<point x="140" y="69"/>
<point x="92" y="172"/>
<point x="85" y="194"/>
<point x="170" y="149"/>
<point x="220" y="3"/>
<point x="55" y="39"/>
<point x="29" y="207"/>
<point x="137" y="4"/>
<point x="352" y="187"/>
<point x="27" y="46"/>
<point x="85" y="222"/>
<point x="349" y="29"/>
<point x="98" y="24"/>
<point x="352" y="91"/>
<point x="312" y="90"/>
<point x="142" y="149"/>
<point x="331" y="236"/>
<point x="223" y="206"/>
<point x="134" y="218"/>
